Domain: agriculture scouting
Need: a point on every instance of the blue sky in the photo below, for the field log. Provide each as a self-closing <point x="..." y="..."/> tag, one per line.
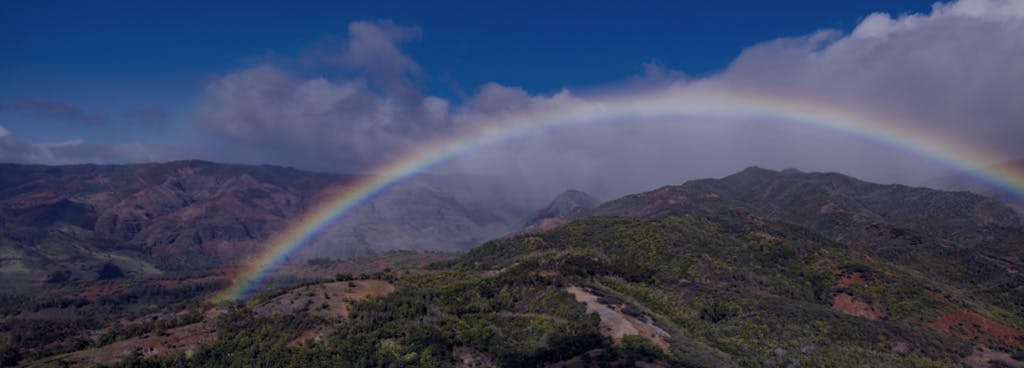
<point x="347" y="86"/>
<point x="113" y="59"/>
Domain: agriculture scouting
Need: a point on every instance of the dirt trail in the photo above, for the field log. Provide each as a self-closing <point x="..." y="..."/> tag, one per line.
<point x="983" y="357"/>
<point x="616" y="324"/>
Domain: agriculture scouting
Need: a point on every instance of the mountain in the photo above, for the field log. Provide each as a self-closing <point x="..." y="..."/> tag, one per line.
<point x="972" y="242"/>
<point x="963" y="182"/>
<point x="67" y="223"/>
<point x="760" y="268"/>
<point x="564" y="206"/>
<point x="414" y="216"/>
<point x="729" y="289"/>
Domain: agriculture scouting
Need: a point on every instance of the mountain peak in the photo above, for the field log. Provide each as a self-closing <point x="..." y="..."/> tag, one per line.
<point x="755" y="172"/>
<point x="572" y="199"/>
<point x="560" y="210"/>
<point x="754" y="175"/>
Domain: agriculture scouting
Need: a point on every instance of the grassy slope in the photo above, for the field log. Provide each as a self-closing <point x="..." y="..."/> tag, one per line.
<point x="731" y="289"/>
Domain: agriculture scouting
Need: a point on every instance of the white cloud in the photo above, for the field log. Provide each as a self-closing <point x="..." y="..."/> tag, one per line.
<point x="955" y="70"/>
<point x="69" y="152"/>
<point x="373" y="46"/>
<point x="989" y="9"/>
<point x="337" y="124"/>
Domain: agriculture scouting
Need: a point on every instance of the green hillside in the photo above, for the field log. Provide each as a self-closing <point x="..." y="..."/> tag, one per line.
<point x="728" y="289"/>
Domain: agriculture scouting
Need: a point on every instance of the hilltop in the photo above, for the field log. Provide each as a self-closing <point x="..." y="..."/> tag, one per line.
<point x="760" y="268"/>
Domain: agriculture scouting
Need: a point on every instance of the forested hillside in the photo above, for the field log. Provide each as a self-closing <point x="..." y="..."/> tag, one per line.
<point x="728" y="289"/>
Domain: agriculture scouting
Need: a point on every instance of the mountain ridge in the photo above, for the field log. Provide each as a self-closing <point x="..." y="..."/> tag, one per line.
<point x="69" y="222"/>
<point x="759" y="268"/>
<point x="969" y="240"/>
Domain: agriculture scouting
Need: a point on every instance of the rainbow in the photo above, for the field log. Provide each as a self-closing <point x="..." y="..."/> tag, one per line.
<point x="675" y="104"/>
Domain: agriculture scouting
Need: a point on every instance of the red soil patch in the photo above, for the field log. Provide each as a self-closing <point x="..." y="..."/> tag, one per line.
<point x="851" y="279"/>
<point x="856" y="307"/>
<point x="968" y="325"/>
<point x="764" y="236"/>
<point x="850" y="304"/>
<point x="546" y="273"/>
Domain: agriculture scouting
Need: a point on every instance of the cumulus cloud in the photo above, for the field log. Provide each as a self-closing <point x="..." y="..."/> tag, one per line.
<point x="339" y="124"/>
<point x="374" y="47"/>
<point x="343" y="122"/>
<point x="954" y="70"/>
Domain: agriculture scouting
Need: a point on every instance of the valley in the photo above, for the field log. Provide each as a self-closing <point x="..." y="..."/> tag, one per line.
<point x="560" y="184"/>
<point x="760" y="268"/>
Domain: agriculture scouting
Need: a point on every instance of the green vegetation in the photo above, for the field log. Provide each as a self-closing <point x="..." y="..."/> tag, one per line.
<point x="41" y="326"/>
<point x="730" y="289"/>
<point x="517" y="320"/>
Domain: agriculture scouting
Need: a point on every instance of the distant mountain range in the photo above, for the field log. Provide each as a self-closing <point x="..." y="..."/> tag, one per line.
<point x="63" y="223"/>
<point x="759" y="268"/>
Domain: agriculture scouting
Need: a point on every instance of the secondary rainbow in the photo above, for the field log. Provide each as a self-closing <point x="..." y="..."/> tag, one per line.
<point x="676" y="105"/>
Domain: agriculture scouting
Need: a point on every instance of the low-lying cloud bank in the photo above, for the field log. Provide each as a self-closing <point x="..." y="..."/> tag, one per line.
<point x="955" y="70"/>
<point x="69" y="152"/>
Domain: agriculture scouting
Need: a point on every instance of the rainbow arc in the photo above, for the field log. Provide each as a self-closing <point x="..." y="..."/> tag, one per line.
<point x="687" y="107"/>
